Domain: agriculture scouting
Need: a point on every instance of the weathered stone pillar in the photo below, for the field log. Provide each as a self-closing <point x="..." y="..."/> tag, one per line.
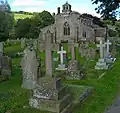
<point x="48" y="55"/>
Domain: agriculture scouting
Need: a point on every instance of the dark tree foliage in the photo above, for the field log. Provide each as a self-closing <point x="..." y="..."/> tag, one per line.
<point x="30" y="27"/>
<point x="46" y="18"/>
<point x="109" y="9"/>
<point x="4" y="31"/>
<point x="22" y="27"/>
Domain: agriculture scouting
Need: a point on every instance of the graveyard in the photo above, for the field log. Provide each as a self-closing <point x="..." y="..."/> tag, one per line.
<point x="102" y="83"/>
<point x="65" y="62"/>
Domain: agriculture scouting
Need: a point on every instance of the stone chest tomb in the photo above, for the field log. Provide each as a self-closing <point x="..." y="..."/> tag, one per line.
<point x="51" y="95"/>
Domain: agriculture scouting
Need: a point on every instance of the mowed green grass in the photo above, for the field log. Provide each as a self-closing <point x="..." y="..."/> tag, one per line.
<point x="21" y="16"/>
<point x="105" y="89"/>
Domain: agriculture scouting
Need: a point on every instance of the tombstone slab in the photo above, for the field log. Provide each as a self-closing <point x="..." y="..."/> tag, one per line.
<point x="29" y="65"/>
<point x="73" y="72"/>
<point x="6" y="67"/>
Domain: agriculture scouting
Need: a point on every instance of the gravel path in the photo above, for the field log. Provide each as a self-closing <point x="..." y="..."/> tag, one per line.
<point x="115" y="108"/>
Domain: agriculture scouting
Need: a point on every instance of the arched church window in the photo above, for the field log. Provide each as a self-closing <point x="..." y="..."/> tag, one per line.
<point x="66" y="29"/>
<point x="84" y="33"/>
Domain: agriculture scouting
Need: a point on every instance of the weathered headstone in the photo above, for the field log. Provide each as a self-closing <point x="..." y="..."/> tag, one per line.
<point x="73" y="72"/>
<point x="6" y="66"/>
<point x="1" y="48"/>
<point x="29" y="65"/>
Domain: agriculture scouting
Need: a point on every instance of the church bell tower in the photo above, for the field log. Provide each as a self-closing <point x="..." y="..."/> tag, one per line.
<point x="66" y="8"/>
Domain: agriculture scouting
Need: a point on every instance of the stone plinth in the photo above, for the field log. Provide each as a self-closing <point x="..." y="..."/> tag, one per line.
<point x="73" y="72"/>
<point x="50" y="95"/>
<point x="101" y="64"/>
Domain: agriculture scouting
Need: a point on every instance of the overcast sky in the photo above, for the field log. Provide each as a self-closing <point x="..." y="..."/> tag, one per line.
<point x="82" y="6"/>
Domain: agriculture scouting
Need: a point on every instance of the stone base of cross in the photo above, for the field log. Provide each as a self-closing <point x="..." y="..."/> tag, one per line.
<point x="61" y="67"/>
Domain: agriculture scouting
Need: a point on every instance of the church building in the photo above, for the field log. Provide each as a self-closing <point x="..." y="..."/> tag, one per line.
<point x="4" y="6"/>
<point x="71" y="25"/>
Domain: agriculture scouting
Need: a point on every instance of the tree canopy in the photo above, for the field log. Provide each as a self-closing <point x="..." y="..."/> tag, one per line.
<point x="108" y="8"/>
<point x="4" y="32"/>
<point x="30" y="27"/>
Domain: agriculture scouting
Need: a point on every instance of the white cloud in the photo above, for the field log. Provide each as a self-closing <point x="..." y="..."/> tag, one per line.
<point x="28" y="3"/>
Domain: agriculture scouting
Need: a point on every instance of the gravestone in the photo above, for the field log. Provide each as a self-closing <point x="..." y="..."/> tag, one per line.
<point x="48" y="54"/>
<point x="109" y="59"/>
<point x="73" y="72"/>
<point x="61" y="66"/>
<point x="23" y="43"/>
<point x="29" y="65"/>
<point x="49" y="93"/>
<point x="1" y="48"/>
<point x="6" y="66"/>
<point x="101" y="64"/>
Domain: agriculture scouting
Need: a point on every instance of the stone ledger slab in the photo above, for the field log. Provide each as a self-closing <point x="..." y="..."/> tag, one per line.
<point x="50" y="95"/>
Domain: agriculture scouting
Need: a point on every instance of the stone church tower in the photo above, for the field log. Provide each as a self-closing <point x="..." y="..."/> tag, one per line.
<point x="71" y="25"/>
<point x="4" y="6"/>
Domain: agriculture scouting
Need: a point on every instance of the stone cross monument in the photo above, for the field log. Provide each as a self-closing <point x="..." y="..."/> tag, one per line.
<point x="108" y="43"/>
<point x="62" y="52"/>
<point x="101" y="64"/>
<point x="101" y="46"/>
<point x="61" y="66"/>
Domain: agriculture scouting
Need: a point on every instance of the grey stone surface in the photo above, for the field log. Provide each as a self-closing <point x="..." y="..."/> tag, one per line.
<point x="50" y="95"/>
<point x="29" y="65"/>
<point x="73" y="72"/>
<point x="101" y="64"/>
<point x="48" y="54"/>
<point x="6" y="66"/>
<point x="1" y="48"/>
<point x="79" y="27"/>
<point x="61" y="66"/>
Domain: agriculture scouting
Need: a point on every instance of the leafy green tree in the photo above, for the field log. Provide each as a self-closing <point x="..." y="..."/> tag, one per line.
<point x="46" y="19"/>
<point x="112" y="33"/>
<point x="35" y="26"/>
<point x="22" y="27"/>
<point x="107" y="8"/>
<point x="30" y="28"/>
<point x="4" y="31"/>
<point x="118" y="28"/>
